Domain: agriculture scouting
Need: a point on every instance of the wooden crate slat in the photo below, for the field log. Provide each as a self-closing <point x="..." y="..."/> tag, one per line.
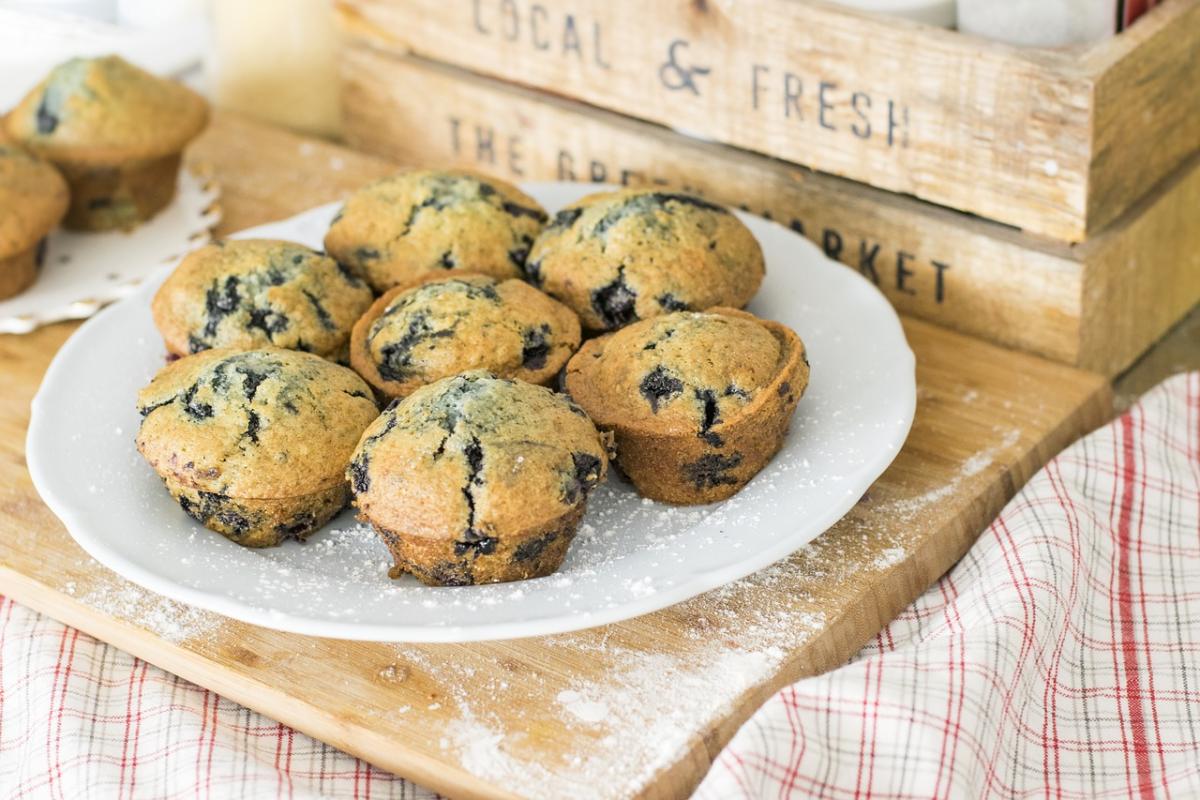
<point x="1073" y="304"/>
<point x="1147" y="107"/>
<point x="984" y="127"/>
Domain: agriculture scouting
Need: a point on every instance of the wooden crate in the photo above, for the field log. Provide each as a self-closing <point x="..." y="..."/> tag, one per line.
<point x="1057" y="142"/>
<point x="1097" y="305"/>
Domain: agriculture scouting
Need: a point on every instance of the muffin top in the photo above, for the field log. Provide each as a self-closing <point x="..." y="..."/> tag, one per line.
<point x="474" y="456"/>
<point x="446" y="324"/>
<point x="681" y="373"/>
<point x="267" y="423"/>
<point x="617" y="257"/>
<point x="100" y="110"/>
<point x="249" y="293"/>
<point x="33" y="198"/>
<point x="400" y="227"/>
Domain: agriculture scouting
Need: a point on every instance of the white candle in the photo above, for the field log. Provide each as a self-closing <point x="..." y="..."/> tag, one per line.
<point x="1039" y="23"/>
<point x="277" y="60"/>
<point x="930" y="12"/>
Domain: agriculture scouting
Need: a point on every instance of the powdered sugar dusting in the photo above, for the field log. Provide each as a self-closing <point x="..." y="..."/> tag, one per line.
<point x="167" y="619"/>
<point x="589" y="711"/>
<point x="632" y="710"/>
<point x="889" y="558"/>
<point x="978" y="462"/>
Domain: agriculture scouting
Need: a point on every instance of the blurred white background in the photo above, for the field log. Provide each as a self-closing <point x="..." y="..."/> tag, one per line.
<point x="272" y="59"/>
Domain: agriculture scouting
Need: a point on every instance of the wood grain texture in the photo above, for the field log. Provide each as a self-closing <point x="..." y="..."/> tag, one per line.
<point x="1053" y="142"/>
<point x="492" y="720"/>
<point x="1097" y="305"/>
<point x="1142" y="274"/>
<point x="1146" y="114"/>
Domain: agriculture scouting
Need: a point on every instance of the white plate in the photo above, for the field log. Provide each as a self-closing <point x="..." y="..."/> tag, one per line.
<point x="83" y="272"/>
<point x="632" y="556"/>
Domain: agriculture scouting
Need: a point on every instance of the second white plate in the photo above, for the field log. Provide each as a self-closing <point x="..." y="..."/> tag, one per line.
<point x="631" y="556"/>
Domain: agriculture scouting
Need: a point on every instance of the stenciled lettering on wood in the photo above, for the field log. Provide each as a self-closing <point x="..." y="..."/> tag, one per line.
<point x="532" y="24"/>
<point x="891" y="268"/>
<point x="802" y="99"/>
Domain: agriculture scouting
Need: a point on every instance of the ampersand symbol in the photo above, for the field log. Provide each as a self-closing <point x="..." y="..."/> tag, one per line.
<point x="674" y="75"/>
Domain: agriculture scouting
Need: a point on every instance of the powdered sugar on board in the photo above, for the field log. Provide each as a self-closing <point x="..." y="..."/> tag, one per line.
<point x="631" y="712"/>
<point x="907" y="508"/>
<point x="128" y="602"/>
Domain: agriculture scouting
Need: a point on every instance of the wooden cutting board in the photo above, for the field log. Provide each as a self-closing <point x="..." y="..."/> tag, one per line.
<point x="638" y="708"/>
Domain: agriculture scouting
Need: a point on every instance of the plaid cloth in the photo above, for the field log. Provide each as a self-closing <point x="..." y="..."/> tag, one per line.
<point x="1060" y="658"/>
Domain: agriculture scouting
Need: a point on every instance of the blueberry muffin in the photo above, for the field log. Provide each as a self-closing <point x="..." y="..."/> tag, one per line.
<point x="33" y="199"/>
<point x="446" y="324"/>
<point x="403" y="226"/>
<point x="115" y="131"/>
<point x="254" y="444"/>
<point x="699" y="402"/>
<point x="249" y="293"/>
<point x="477" y="479"/>
<point x="617" y="257"/>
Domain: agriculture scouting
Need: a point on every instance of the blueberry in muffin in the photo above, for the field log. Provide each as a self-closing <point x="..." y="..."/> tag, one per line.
<point x="33" y="199"/>
<point x="254" y="444"/>
<point x="477" y="479"/>
<point x="442" y="325"/>
<point x="115" y="131"/>
<point x="699" y="402"/>
<point x="617" y="257"/>
<point x="398" y="228"/>
<point x="249" y="293"/>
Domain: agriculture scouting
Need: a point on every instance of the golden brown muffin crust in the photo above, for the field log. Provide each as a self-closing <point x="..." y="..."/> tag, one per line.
<point x="266" y="423"/>
<point x="682" y="372"/>
<point x="477" y="474"/>
<point x="33" y="198"/>
<point x="250" y="293"/>
<point x="105" y="110"/>
<point x="442" y="325"/>
<point x="617" y="257"/>
<point x="699" y="402"/>
<point x="397" y="228"/>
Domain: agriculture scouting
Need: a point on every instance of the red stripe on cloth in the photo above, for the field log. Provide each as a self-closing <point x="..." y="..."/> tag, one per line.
<point x="1128" y="644"/>
<point x="961" y="693"/>
<point x="212" y="744"/>
<point x="1050" y="698"/>
<point x="1144" y="610"/>
<point x="1010" y="551"/>
<point x="137" y="727"/>
<point x="200" y="740"/>
<point x="1112" y="593"/>
<point x="871" y="790"/>
<point x="942" y="587"/>
<point x="54" y="734"/>
<point x="127" y="732"/>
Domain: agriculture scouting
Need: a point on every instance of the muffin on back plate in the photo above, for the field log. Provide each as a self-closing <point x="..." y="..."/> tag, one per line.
<point x="699" y="402"/>
<point x="477" y="479"/>
<point x="33" y="198"/>
<point x="402" y="226"/>
<point x="254" y="444"/>
<point x="445" y="324"/>
<point x="115" y="131"/>
<point x="248" y="293"/>
<point x="617" y="257"/>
